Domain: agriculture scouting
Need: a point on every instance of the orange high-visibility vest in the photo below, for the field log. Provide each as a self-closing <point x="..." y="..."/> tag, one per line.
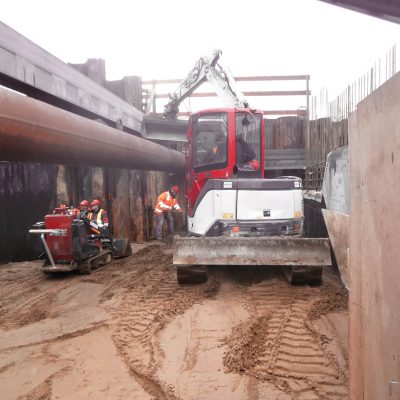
<point x="166" y="203"/>
<point x="100" y="219"/>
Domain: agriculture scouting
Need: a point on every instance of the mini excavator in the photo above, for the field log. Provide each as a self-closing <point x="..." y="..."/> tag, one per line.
<point x="235" y="216"/>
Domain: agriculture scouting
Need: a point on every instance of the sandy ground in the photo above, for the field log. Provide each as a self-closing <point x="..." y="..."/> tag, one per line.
<point x="129" y="331"/>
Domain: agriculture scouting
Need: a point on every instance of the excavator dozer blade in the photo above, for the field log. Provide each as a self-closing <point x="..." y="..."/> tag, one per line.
<point x="302" y="259"/>
<point x="121" y="248"/>
<point x="251" y="251"/>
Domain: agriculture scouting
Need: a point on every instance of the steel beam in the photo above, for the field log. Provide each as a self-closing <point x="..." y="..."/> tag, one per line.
<point x="33" y="131"/>
<point x="238" y="78"/>
<point x="26" y="67"/>
<point x="300" y="113"/>
<point x="387" y="9"/>
<point x="253" y="93"/>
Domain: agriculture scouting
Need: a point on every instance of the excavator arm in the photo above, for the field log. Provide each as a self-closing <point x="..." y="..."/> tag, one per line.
<point x="211" y="69"/>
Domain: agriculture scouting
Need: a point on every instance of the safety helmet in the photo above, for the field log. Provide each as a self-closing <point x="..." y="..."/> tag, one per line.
<point x="96" y="202"/>
<point x="175" y="188"/>
<point x="84" y="203"/>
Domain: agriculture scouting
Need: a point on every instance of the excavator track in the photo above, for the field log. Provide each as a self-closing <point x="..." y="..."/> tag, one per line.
<point x="303" y="274"/>
<point x="103" y="258"/>
<point x="191" y="274"/>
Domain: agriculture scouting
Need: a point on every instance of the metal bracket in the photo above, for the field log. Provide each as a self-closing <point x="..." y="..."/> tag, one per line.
<point x="391" y="383"/>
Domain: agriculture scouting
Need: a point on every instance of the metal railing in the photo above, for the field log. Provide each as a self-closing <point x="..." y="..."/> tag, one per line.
<point x="314" y="176"/>
<point x="328" y="119"/>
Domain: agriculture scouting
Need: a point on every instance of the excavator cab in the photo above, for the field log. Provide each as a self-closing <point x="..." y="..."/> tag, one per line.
<point x="223" y="144"/>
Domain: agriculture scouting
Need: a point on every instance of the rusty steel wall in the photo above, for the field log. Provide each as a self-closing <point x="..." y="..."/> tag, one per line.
<point x="129" y="196"/>
<point x="374" y="345"/>
<point x="285" y="147"/>
<point x="285" y="133"/>
<point x="29" y="191"/>
<point x="326" y="136"/>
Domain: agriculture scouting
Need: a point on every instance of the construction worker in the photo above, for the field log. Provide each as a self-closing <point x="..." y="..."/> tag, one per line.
<point x="217" y="152"/>
<point x="98" y="214"/>
<point x="245" y="155"/>
<point x="83" y="209"/>
<point x="166" y="203"/>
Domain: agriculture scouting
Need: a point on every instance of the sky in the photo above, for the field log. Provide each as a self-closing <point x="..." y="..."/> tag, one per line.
<point x="158" y="39"/>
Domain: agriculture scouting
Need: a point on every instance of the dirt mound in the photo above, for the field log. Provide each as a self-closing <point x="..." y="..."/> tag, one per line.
<point x="148" y="252"/>
<point x="277" y="345"/>
<point x="41" y="392"/>
<point x="246" y="344"/>
<point x="331" y="300"/>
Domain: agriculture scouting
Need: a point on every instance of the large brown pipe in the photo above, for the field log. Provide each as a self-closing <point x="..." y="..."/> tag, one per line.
<point x="32" y="131"/>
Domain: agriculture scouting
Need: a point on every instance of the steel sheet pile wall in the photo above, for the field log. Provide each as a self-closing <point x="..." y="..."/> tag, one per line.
<point x="329" y="119"/>
<point x="325" y="136"/>
<point x="285" y="133"/>
<point x="285" y="146"/>
<point x="26" y="192"/>
<point x="29" y="191"/>
<point x="374" y="245"/>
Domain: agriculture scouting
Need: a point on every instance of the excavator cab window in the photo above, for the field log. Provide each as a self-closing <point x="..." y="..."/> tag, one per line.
<point x="248" y="144"/>
<point x="210" y="142"/>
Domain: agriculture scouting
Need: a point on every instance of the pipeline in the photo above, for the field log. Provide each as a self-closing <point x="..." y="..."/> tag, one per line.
<point x="33" y="131"/>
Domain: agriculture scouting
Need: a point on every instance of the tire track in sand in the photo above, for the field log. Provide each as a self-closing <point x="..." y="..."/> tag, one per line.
<point x="291" y="356"/>
<point x="27" y="302"/>
<point x="151" y="300"/>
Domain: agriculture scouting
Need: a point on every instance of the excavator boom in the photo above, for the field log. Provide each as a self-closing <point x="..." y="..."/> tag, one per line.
<point x="209" y="68"/>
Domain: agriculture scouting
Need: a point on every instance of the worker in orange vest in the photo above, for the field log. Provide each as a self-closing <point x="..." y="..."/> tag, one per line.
<point x="166" y="203"/>
<point x="97" y="214"/>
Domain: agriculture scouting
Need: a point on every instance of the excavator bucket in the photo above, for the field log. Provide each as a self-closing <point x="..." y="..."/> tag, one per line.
<point x="303" y="258"/>
<point x="162" y="129"/>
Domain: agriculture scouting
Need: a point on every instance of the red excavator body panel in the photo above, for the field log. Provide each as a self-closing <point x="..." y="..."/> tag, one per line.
<point x="60" y="245"/>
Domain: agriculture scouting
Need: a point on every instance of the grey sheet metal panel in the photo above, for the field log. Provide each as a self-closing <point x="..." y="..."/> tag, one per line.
<point x="251" y="251"/>
<point x="283" y="159"/>
<point x="335" y="187"/>
<point x="338" y="226"/>
<point x="26" y="62"/>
